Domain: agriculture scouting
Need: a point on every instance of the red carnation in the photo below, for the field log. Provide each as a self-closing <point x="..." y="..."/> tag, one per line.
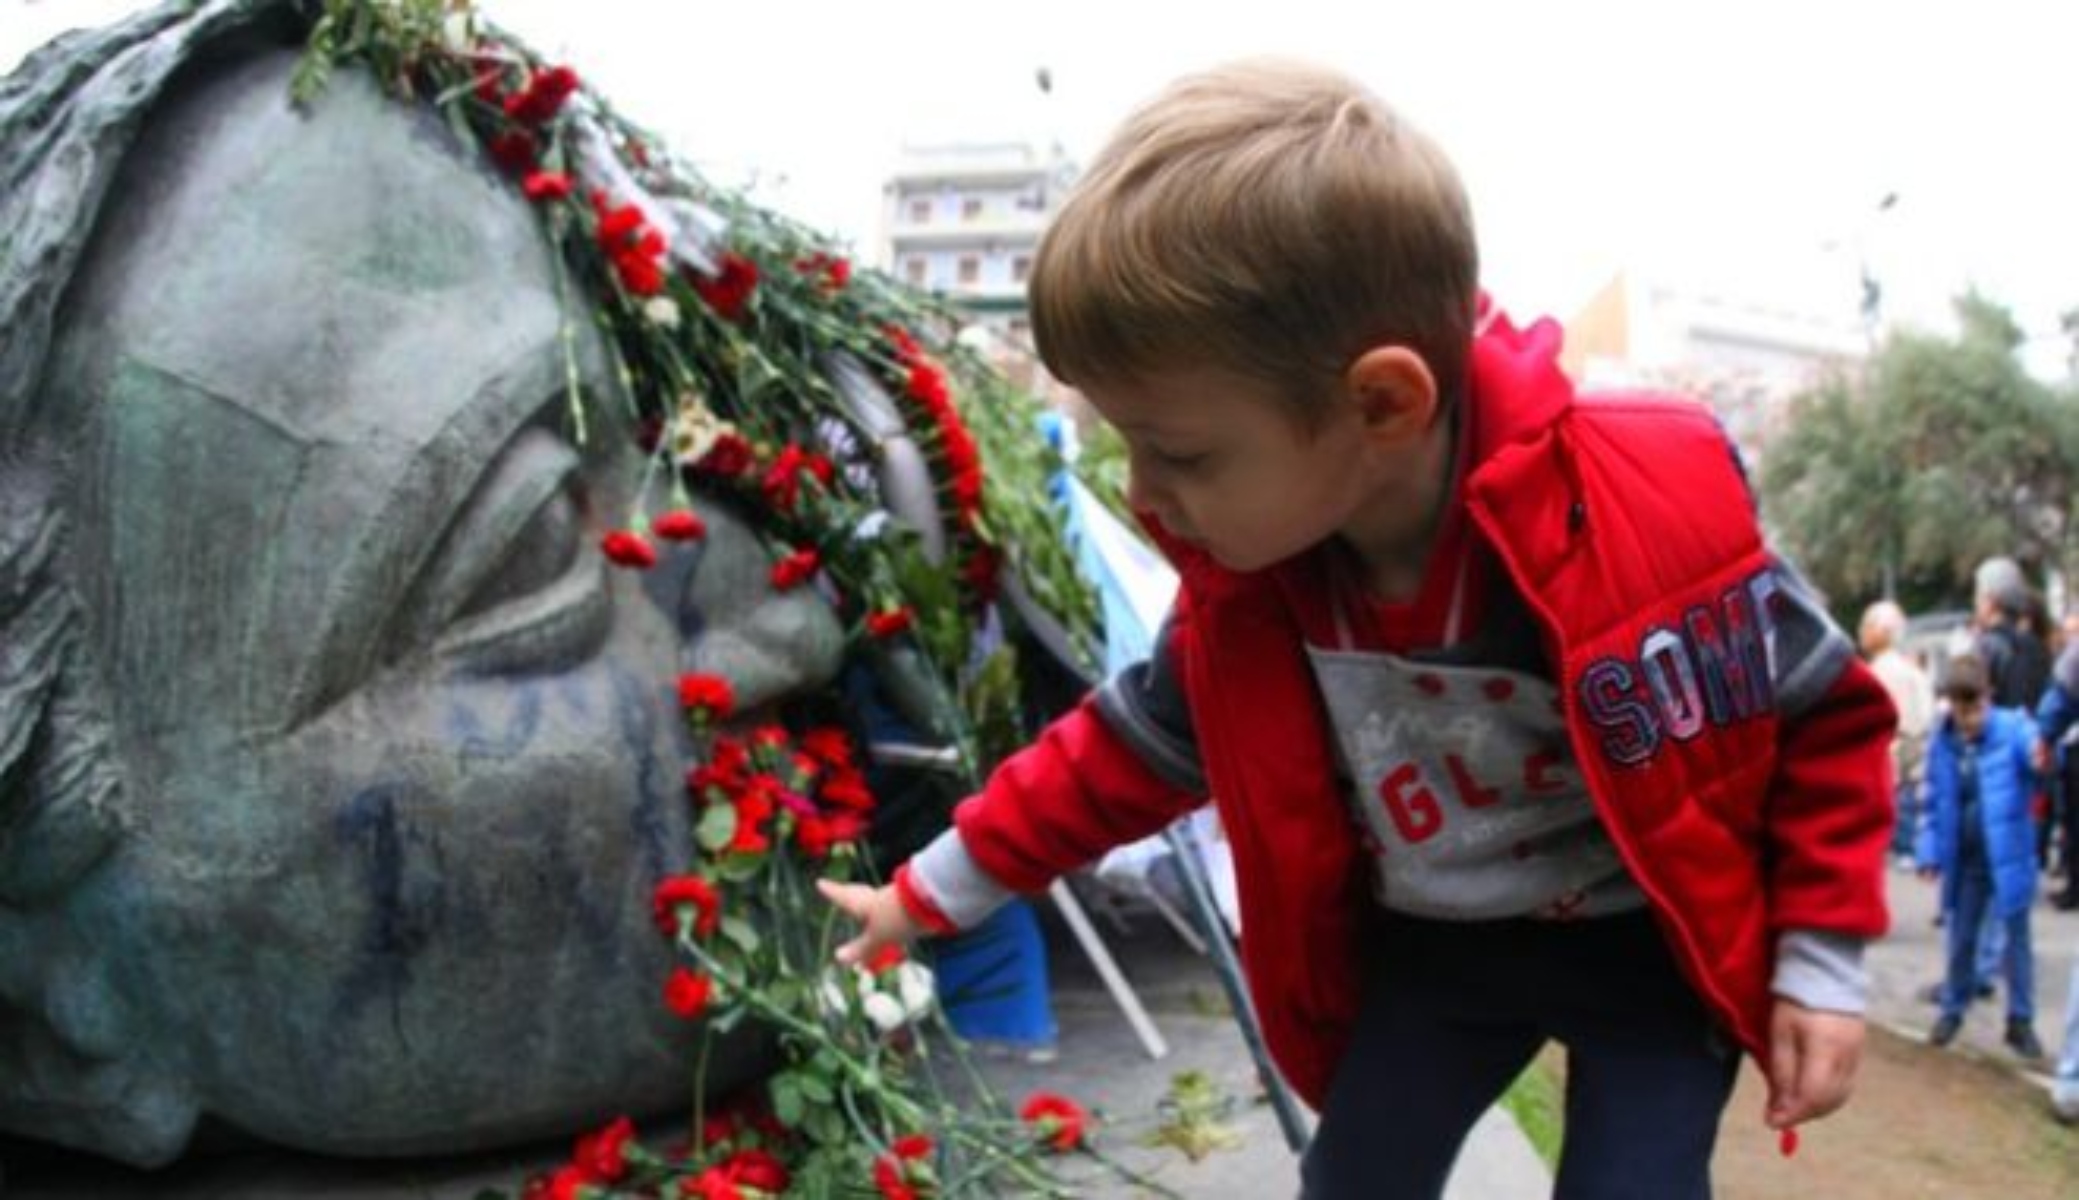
<point x="708" y="696"/>
<point x="729" y="291"/>
<point x="1057" y="1119"/>
<point x="761" y="1169"/>
<point x="711" y="1184"/>
<point x="847" y="789"/>
<point x="628" y="549"/>
<point x="687" y="993"/>
<point x="515" y="150"/>
<point x="889" y="622"/>
<point x="818" y="834"/>
<point x="915" y="1145"/>
<point x="679" y="525"/>
<point x="603" y="1155"/>
<point x="543" y="97"/>
<point x="686" y="889"/>
<point x="546" y="185"/>
<point x="885" y="959"/>
<point x="979" y="573"/>
<point x="887" y="1176"/>
<point x="795" y="569"/>
<point x="729" y="457"/>
<point x="828" y="745"/>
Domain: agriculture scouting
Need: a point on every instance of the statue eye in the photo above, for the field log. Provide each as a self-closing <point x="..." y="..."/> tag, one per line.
<point x="511" y="587"/>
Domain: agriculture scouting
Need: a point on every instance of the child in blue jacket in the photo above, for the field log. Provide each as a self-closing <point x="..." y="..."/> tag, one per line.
<point x="1980" y="840"/>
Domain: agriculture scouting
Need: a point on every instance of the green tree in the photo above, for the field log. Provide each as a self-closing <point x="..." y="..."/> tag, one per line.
<point x="1941" y="452"/>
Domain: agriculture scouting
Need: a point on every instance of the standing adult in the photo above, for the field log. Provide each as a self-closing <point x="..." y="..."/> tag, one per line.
<point x="1883" y="625"/>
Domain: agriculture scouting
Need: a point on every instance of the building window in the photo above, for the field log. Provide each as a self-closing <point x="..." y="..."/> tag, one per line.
<point x="913" y="271"/>
<point x="920" y="212"/>
<point x="1021" y="268"/>
<point x="971" y="209"/>
<point x="970" y="269"/>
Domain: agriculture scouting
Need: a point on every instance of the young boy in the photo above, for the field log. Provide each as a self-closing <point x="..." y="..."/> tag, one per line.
<point x="1516" y="727"/>
<point x="1979" y="837"/>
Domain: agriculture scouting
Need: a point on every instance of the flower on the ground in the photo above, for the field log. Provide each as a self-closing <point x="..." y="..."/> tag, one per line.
<point x="628" y="549"/>
<point x="1056" y="1119"/>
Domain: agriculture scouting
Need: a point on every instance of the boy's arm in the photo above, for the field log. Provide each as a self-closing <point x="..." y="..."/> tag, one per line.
<point x="1829" y="811"/>
<point x="1117" y="768"/>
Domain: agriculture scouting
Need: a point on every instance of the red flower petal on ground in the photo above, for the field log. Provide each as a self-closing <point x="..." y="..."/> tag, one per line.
<point x="889" y="622"/>
<point x="679" y="525"/>
<point x="603" y="1155"/>
<point x="687" y="993"/>
<point x="1058" y="1119"/>
<point x="628" y="549"/>
<point x="708" y="695"/>
<point x="686" y="889"/>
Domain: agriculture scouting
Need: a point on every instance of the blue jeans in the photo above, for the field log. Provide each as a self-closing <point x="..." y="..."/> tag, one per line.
<point x="1459" y="1009"/>
<point x="1974" y="906"/>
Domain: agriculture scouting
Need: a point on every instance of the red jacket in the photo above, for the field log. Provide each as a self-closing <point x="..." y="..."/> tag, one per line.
<point x="1626" y="526"/>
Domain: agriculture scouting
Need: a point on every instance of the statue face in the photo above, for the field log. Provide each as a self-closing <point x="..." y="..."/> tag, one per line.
<point x="402" y="756"/>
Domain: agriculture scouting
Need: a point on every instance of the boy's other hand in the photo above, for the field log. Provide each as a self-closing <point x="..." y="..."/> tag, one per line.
<point x="1813" y="1056"/>
<point x="880" y="913"/>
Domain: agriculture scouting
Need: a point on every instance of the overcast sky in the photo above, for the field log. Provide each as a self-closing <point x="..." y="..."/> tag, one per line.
<point x="1742" y="145"/>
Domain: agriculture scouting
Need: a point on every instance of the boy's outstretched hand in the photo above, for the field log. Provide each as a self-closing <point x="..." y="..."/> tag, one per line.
<point x="880" y="913"/>
<point x="1813" y="1056"/>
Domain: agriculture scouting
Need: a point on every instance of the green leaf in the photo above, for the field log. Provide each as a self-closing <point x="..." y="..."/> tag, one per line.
<point x="787" y="1101"/>
<point x="717" y="827"/>
<point x="741" y="934"/>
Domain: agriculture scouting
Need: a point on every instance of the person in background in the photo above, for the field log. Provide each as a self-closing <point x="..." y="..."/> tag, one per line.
<point x="1883" y="625"/>
<point x="1978" y="840"/>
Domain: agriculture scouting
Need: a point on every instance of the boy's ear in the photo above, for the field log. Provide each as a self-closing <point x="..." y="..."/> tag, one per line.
<point x="1394" y="391"/>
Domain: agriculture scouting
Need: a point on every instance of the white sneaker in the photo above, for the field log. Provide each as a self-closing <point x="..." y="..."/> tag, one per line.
<point x="2065" y="1102"/>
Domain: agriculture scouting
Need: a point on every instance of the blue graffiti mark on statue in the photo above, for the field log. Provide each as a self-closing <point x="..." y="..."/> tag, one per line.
<point x="335" y="770"/>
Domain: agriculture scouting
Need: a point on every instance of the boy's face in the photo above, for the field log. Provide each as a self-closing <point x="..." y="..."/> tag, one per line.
<point x="1227" y="465"/>
<point x="1969" y="712"/>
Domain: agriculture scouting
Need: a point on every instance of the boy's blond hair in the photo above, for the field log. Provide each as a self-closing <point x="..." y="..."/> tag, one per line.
<point x="1271" y="218"/>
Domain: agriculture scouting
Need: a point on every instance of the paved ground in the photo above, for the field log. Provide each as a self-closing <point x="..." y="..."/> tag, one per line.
<point x="1911" y="957"/>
